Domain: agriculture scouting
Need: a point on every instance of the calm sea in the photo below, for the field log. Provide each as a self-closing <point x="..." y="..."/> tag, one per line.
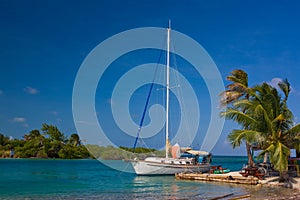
<point x="90" y="179"/>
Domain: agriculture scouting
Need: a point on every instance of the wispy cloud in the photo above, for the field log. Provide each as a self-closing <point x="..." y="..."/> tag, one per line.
<point x="274" y="82"/>
<point x="31" y="90"/>
<point x="19" y="120"/>
<point x="53" y="112"/>
<point x="1" y="92"/>
<point x="86" y="123"/>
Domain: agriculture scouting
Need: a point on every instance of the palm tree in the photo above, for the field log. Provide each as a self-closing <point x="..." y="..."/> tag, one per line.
<point x="33" y="134"/>
<point x="55" y="140"/>
<point x="280" y="132"/>
<point x="74" y="140"/>
<point x="268" y="122"/>
<point x="236" y="91"/>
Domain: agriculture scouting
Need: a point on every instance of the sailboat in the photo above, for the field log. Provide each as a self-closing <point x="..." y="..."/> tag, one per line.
<point x="188" y="161"/>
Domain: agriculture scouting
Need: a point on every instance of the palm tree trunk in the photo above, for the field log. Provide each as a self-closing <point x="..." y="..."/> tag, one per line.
<point x="249" y="154"/>
<point x="283" y="176"/>
<point x="266" y="157"/>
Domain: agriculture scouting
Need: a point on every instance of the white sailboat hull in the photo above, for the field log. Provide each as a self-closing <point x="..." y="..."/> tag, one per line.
<point x="158" y="166"/>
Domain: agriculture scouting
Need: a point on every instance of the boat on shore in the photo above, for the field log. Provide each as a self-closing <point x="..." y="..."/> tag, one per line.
<point x="187" y="161"/>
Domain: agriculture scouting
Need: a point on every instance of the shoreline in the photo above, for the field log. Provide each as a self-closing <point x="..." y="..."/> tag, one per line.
<point x="292" y="186"/>
<point x="261" y="189"/>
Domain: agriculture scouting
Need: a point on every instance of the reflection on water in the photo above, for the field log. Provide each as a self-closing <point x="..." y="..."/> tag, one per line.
<point x="170" y="188"/>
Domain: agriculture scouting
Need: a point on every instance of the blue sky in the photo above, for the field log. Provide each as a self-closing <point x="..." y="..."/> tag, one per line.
<point x="43" y="44"/>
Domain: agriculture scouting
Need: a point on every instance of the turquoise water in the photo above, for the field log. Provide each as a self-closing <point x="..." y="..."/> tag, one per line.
<point x="89" y="179"/>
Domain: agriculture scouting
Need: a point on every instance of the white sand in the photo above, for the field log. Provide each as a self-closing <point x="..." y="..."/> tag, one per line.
<point x="273" y="181"/>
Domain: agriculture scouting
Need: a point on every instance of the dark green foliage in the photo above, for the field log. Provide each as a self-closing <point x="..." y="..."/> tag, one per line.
<point x="53" y="133"/>
<point x="265" y="121"/>
<point x="51" y="144"/>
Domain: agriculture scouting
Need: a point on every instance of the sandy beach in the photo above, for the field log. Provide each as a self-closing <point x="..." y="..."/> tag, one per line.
<point x="290" y="190"/>
<point x="293" y="191"/>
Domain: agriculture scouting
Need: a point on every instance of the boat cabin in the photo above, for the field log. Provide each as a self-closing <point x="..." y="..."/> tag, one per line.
<point x="200" y="157"/>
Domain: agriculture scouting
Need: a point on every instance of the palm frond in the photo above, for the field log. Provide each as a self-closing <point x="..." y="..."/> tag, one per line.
<point x="243" y="104"/>
<point x="279" y="156"/>
<point x="260" y="111"/>
<point x="238" y="76"/>
<point x="238" y="87"/>
<point x="294" y="131"/>
<point x="268" y="149"/>
<point x="285" y="87"/>
<point x="238" y="116"/>
<point x="228" y="97"/>
<point x="279" y="118"/>
<point x="236" y="137"/>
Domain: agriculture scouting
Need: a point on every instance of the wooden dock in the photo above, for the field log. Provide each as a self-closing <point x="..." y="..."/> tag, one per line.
<point x="231" y="177"/>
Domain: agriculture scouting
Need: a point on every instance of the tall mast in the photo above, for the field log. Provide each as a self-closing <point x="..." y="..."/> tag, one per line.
<point x="168" y="90"/>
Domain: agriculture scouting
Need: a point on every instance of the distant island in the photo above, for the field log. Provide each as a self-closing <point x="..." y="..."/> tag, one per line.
<point x="122" y="153"/>
<point x="50" y="142"/>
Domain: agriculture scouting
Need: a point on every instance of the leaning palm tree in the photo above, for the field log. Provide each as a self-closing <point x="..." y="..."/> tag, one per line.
<point x="74" y="140"/>
<point x="237" y="91"/>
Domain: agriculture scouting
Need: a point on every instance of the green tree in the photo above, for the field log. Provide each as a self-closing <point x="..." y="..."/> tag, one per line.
<point x="55" y="140"/>
<point x="32" y="135"/>
<point x="33" y="145"/>
<point x="53" y="133"/>
<point x="73" y="149"/>
<point x="74" y="140"/>
<point x="276" y="122"/>
<point x="51" y="143"/>
<point x="266" y="121"/>
<point x="4" y="140"/>
<point x="238" y="90"/>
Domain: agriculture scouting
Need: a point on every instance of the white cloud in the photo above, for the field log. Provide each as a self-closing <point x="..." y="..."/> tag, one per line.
<point x="26" y="125"/>
<point x="86" y="123"/>
<point x="53" y="112"/>
<point x="18" y="119"/>
<point x="274" y="82"/>
<point x="31" y="90"/>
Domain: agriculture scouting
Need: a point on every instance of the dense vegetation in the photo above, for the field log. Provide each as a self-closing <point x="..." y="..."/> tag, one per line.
<point x="264" y="117"/>
<point x="112" y="153"/>
<point x="51" y="143"/>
